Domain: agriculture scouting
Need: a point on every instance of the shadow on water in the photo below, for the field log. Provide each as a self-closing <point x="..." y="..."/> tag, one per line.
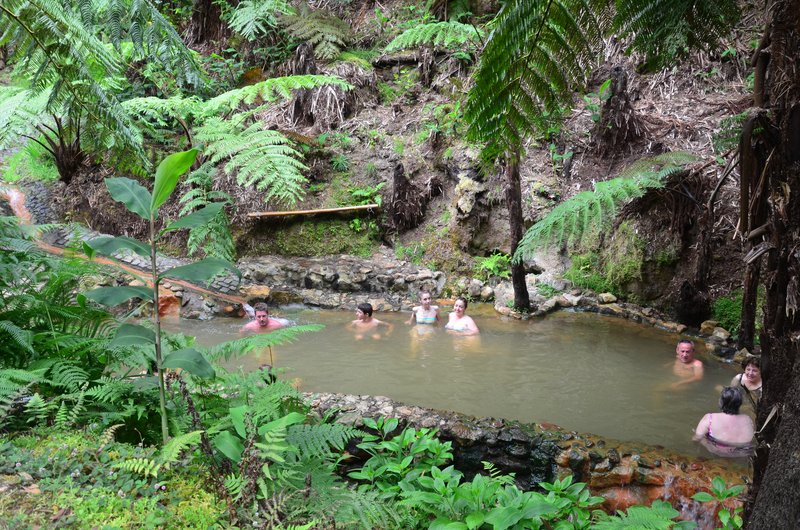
<point x="585" y="372"/>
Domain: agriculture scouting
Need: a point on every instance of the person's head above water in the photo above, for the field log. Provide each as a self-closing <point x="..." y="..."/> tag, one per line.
<point x="730" y="399"/>
<point x="426" y="298"/>
<point x="460" y="305"/>
<point x="685" y="351"/>
<point x="262" y="314"/>
<point x="753" y="362"/>
<point x="365" y="308"/>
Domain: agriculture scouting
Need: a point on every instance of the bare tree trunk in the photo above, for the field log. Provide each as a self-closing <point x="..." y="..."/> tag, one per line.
<point x="775" y="494"/>
<point x="206" y="24"/>
<point x="514" y="201"/>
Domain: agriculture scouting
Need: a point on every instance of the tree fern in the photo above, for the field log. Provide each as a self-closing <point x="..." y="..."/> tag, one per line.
<point x="254" y="19"/>
<point x="57" y="54"/>
<point x="667" y="29"/>
<point x="587" y="210"/>
<point x="214" y="237"/>
<point x="327" y="34"/>
<point x="447" y="35"/>
<point x="536" y="56"/>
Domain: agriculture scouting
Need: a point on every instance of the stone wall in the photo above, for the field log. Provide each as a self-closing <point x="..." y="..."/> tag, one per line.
<point x="623" y="473"/>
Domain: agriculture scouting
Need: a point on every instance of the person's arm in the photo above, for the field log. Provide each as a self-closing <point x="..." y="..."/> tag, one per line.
<point x="697" y="375"/>
<point x="436" y="307"/>
<point x="702" y="428"/>
<point x="472" y="328"/>
<point x="389" y="327"/>
<point x="413" y="317"/>
<point x="736" y="381"/>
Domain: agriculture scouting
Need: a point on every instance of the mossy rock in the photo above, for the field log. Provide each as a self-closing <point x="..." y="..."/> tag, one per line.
<point x="319" y="237"/>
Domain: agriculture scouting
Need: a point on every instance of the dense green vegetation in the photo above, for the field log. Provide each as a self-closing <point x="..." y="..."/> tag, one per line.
<point x="112" y="84"/>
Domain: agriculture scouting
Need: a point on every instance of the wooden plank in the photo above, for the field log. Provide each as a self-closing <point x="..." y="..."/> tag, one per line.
<point x="314" y="212"/>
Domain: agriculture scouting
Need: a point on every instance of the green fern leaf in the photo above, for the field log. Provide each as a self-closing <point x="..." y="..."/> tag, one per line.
<point x="327" y="34"/>
<point x="317" y="441"/>
<point x="591" y="210"/>
<point x="445" y="35"/>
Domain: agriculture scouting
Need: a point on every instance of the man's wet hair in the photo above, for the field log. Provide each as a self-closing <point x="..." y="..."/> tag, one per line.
<point x="261" y="306"/>
<point x="686" y="341"/>
<point x="365" y="308"/>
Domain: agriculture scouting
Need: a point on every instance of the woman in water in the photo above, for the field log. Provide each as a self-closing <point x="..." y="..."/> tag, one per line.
<point x="749" y="381"/>
<point x="425" y="313"/>
<point x="459" y="321"/>
<point x="727" y="433"/>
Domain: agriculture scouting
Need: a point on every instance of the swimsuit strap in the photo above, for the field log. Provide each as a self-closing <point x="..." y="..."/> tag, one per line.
<point x="710" y="417"/>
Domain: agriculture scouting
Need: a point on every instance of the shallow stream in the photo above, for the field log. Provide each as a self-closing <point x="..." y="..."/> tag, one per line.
<point x="584" y="372"/>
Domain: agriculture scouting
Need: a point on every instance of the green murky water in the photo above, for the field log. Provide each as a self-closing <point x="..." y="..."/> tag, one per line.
<point x="585" y="372"/>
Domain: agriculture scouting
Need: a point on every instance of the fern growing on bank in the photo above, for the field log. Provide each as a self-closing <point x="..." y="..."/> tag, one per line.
<point x="449" y="35"/>
<point x="255" y="19"/>
<point x="591" y="210"/>
<point x="326" y="33"/>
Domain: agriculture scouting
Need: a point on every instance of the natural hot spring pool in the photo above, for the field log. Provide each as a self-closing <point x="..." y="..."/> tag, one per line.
<point x="584" y="372"/>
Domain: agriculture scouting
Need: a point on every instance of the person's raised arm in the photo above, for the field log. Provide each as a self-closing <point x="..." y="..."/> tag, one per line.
<point x="413" y="318"/>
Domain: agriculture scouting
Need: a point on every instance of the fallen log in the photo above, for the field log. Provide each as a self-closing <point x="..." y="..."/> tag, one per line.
<point x="314" y="212"/>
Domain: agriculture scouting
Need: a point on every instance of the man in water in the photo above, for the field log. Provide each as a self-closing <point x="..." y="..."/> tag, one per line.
<point x="686" y="366"/>
<point x="366" y="323"/>
<point x="263" y="322"/>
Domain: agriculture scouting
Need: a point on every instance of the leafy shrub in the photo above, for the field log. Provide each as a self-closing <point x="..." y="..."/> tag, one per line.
<point x="412" y="253"/>
<point x="340" y="162"/>
<point x="727" y="310"/>
<point x="584" y="273"/>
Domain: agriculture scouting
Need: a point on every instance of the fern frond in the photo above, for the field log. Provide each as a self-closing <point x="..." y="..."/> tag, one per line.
<point x="444" y="35"/>
<point x="261" y="341"/>
<point x="326" y="33"/>
<point x="21" y="338"/>
<point x="68" y="376"/>
<point x="316" y="441"/>
<point x="140" y="466"/>
<point x="538" y="53"/>
<point x="587" y="210"/>
<point x="269" y="91"/>
<point x="108" y="435"/>
<point x="172" y="450"/>
<point x="667" y="29"/>
<point x="261" y="158"/>
<point x="255" y="19"/>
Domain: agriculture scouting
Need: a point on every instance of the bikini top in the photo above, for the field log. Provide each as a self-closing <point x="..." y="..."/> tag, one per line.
<point x="422" y="319"/>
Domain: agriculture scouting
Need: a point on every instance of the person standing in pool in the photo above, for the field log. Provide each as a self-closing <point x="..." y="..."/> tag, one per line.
<point x="458" y="321"/>
<point x="686" y="367"/>
<point x="366" y="323"/>
<point x="424" y="313"/>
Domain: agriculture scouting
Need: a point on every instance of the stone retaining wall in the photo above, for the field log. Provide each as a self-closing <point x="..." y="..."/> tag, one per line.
<point x="623" y="473"/>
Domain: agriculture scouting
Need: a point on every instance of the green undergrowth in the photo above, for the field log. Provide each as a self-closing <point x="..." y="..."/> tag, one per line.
<point x="69" y="479"/>
<point x="29" y="163"/>
<point x="320" y="237"/>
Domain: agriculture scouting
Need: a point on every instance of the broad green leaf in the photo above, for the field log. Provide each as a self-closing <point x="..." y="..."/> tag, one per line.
<point x="133" y="195"/>
<point x="108" y="245"/>
<point x="198" y="218"/>
<point x="190" y="360"/>
<point x="167" y="174"/>
<point x="292" y="418"/>
<point x="133" y="335"/>
<point x="474" y="520"/>
<point x="702" y="496"/>
<point x="237" y="418"/>
<point x="447" y="524"/>
<point x="229" y="445"/>
<point x="110" y="296"/>
<point x="200" y="271"/>
<point x="89" y="251"/>
<point x="503" y="517"/>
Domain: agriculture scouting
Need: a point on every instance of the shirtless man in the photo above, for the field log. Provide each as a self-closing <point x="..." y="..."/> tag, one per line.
<point x="686" y="366"/>
<point x="366" y="323"/>
<point x="263" y="322"/>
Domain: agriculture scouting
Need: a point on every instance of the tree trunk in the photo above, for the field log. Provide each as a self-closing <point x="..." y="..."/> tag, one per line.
<point x="206" y="24"/>
<point x="514" y="201"/>
<point x="775" y="494"/>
